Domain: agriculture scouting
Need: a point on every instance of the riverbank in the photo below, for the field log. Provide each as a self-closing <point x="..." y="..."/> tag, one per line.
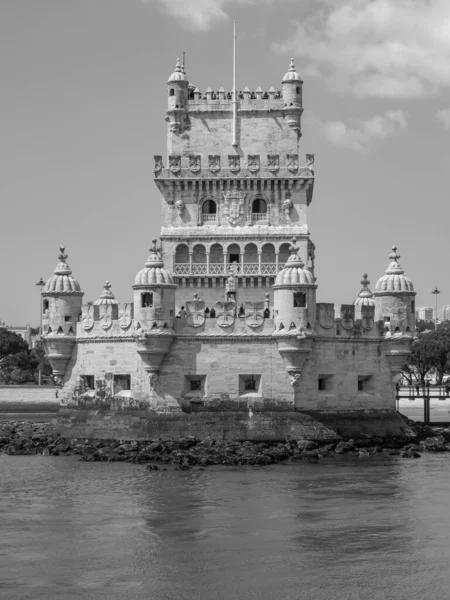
<point x="25" y="438"/>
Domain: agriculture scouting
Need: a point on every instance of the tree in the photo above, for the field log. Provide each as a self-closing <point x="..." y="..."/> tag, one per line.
<point x="18" y="368"/>
<point x="11" y="343"/>
<point x="430" y="350"/>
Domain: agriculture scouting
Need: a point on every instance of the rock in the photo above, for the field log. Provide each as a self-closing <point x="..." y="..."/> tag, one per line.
<point x="344" y="447"/>
<point x="306" y="445"/>
<point x="152" y="468"/>
<point x="411" y="454"/>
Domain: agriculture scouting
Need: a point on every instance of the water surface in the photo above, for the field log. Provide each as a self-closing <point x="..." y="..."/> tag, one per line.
<point x="341" y="530"/>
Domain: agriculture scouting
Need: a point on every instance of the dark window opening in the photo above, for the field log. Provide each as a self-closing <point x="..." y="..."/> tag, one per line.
<point x="321" y="384"/>
<point x="45" y="305"/>
<point x="234" y="258"/>
<point x="147" y="300"/>
<point x="299" y="300"/>
<point x="387" y="319"/>
<point x="413" y="306"/>
<point x="298" y="91"/>
<point x="89" y="381"/>
<point x="66" y="319"/>
<point x="259" y="206"/>
<point x="249" y="383"/>
<point x="209" y="207"/>
<point x="196" y="385"/>
<point x="360" y="385"/>
<point x="122" y="382"/>
<point x="171" y="92"/>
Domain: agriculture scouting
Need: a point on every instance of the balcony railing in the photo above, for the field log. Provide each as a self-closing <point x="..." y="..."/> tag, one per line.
<point x="259" y="217"/>
<point x="220" y="270"/>
<point x="208" y="218"/>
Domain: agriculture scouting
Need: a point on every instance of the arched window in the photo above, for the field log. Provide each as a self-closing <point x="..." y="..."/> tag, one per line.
<point x="171" y="92"/>
<point x="209" y="211"/>
<point x="259" y="210"/>
<point x="182" y="260"/>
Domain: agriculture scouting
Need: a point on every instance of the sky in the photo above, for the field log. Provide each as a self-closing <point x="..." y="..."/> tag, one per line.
<point x="82" y="106"/>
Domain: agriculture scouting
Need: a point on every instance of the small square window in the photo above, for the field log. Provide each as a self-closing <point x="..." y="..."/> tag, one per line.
<point x="299" y="300"/>
<point x="321" y="384"/>
<point x="195" y="385"/>
<point x="45" y="305"/>
<point x="364" y="383"/>
<point x="360" y="385"/>
<point x="89" y="381"/>
<point x="249" y="384"/>
<point x="122" y="382"/>
<point x="67" y="319"/>
<point x="147" y="300"/>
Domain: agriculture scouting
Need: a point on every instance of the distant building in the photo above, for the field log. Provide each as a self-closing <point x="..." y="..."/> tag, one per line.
<point x="446" y="313"/>
<point x="424" y="313"/>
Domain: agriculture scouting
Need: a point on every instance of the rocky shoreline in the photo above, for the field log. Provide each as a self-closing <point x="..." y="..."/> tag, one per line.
<point x="25" y="438"/>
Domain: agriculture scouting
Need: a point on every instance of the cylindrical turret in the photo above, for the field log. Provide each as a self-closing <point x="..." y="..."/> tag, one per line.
<point x="178" y="98"/>
<point x="295" y="296"/>
<point x="292" y="87"/>
<point x="394" y="299"/>
<point x="364" y="299"/>
<point x="154" y="294"/>
<point x="61" y="302"/>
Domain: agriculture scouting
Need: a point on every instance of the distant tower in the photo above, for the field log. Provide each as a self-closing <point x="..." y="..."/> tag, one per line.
<point x="295" y="295"/>
<point x="178" y="98"/>
<point x="292" y="96"/>
<point x="365" y="298"/>
<point x="61" y="302"/>
<point x="106" y="308"/>
<point x="394" y="298"/>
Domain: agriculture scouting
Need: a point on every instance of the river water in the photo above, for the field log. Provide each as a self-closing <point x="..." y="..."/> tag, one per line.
<point x="343" y="529"/>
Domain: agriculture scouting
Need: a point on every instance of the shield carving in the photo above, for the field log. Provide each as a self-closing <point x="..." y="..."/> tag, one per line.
<point x="253" y="163"/>
<point x="367" y="317"/>
<point x="195" y="163"/>
<point x="158" y="164"/>
<point x="195" y="312"/>
<point x="292" y="162"/>
<point x="310" y="162"/>
<point x="175" y="163"/>
<point x="233" y="207"/>
<point x="88" y="318"/>
<point x="225" y="313"/>
<point x="347" y="316"/>
<point x="326" y="314"/>
<point x="234" y="163"/>
<point x="254" y="314"/>
<point x="106" y="318"/>
<point x="214" y="163"/>
<point x="125" y="317"/>
<point x="273" y="162"/>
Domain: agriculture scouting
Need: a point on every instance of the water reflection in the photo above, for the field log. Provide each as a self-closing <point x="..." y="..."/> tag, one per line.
<point x="343" y="529"/>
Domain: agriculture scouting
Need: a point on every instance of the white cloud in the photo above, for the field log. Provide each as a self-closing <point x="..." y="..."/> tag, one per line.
<point x="375" y="48"/>
<point x="359" y="135"/>
<point x="443" y="116"/>
<point x="199" y="15"/>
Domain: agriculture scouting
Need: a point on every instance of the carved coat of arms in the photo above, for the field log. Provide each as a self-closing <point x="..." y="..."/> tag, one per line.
<point x="273" y="162"/>
<point x="158" y="164"/>
<point x="175" y="163"/>
<point x="88" y="318"/>
<point x="292" y="162"/>
<point x="347" y="316"/>
<point x="234" y="163"/>
<point x="325" y="315"/>
<point x="233" y="207"/>
<point x="195" y="312"/>
<point x="310" y="162"/>
<point x="367" y="317"/>
<point x="214" y="163"/>
<point x="195" y="163"/>
<point x="106" y="318"/>
<point x="225" y="313"/>
<point x="125" y="316"/>
<point x="253" y="163"/>
<point x="254" y="314"/>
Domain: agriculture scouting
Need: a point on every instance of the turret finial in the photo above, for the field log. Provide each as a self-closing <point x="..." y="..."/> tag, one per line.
<point x="394" y="255"/>
<point x="291" y="65"/>
<point x="62" y="254"/>
<point x="154" y="247"/>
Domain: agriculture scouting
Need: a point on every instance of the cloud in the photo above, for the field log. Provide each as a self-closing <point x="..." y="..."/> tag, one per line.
<point x="443" y="116"/>
<point x="359" y="135"/>
<point x="375" y="48"/>
<point x="199" y="15"/>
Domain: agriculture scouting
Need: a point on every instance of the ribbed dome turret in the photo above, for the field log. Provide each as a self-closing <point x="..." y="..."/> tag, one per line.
<point x="294" y="272"/>
<point x="62" y="281"/>
<point x="394" y="280"/>
<point x="365" y="297"/>
<point x="107" y="297"/>
<point x="154" y="272"/>
<point x="179" y="74"/>
<point x="292" y="74"/>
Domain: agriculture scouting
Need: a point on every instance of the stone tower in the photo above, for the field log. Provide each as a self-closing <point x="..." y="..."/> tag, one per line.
<point x="233" y="207"/>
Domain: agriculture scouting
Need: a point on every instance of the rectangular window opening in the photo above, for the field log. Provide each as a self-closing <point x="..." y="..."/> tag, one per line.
<point x="195" y="386"/>
<point x="147" y="300"/>
<point x="321" y="384"/>
<point x="45" y="305"/>
<point x="122" y="382"/>
<point x="66" y="319"/>
<point x="249" y="384"/>
<point x="89" y="382"/>
<point x="364" y="383"/>
<point x="299" y="300"/>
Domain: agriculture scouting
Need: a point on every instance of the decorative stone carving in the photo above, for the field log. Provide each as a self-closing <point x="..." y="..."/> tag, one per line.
<point x="254" y="314"/>
<point x="347" y="316"/>
<point x="214" y="163"/>
<point x="153" y="378"/>
<point x="287" y="205"/>
<point x="195" y="312"/>
<point x="233" y="207"/>
<point x="295" y="352"/>
<point x="273" y="162"/>
<point x="367" y="317"/>
<point x="253" y="163"/>
<point x="175" y="163"/>
<point x="310" y="162"/>
<point x="292" y="162"/>
<point x="225" y="313"/>
<point x="195" y="163"/>
<point x="158" y="164"/>
<point x="106" y="318"/>
<point x="234" y="163"/>
<point x="88" y="318"/>
<point x="125" y="316"/>
<point x="325" y="315"/>
<point x="179" y="205"/>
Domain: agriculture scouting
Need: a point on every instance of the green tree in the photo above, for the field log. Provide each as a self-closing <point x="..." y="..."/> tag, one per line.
<point x="18" y="368"/>
<point x="11" y="343"/>
<point x="430" y="350"/>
